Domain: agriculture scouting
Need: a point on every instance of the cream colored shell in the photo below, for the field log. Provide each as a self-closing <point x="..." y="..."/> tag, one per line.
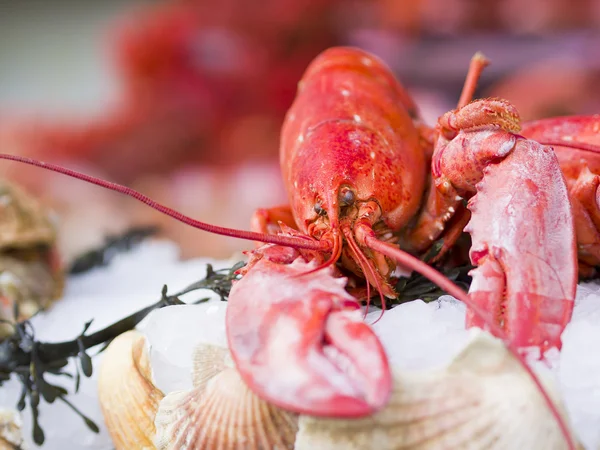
<point x="23" y="220"/>
<point x="11" y="436"/>
<point x="128" y="398"/>
<point x="29" y="272"/>
<point x="32" y="284"/>
<point x="482" y="400"/>
<point x="221" y="412"/>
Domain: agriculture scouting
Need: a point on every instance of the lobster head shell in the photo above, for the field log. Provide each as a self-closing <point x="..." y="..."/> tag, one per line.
<point x="350" y="153"/>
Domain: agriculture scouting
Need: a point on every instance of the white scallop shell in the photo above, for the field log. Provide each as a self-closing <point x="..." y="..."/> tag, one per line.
<point x="221" y="412"/>
<point x="482" y="400"/>
<point x="128" y="398"/>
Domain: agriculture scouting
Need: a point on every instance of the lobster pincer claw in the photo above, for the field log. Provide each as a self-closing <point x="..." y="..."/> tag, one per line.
<point x="299" y="341"/>
<point x="522" y="231"/>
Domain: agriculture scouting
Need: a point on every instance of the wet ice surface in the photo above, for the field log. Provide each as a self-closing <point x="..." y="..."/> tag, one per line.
<point x="419" y="335"/>
<point x="579" y="370"/>
<point x="416" y="336"/>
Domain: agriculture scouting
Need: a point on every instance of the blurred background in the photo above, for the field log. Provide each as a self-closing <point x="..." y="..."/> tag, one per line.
<point x="184" y="99"/>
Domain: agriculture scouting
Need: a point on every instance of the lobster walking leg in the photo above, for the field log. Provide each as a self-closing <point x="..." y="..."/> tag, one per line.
<point x="585" y="200"/>
<point x="521" y="224"/>
<point x="266" y="220"/>
<point x="455" y="228"/>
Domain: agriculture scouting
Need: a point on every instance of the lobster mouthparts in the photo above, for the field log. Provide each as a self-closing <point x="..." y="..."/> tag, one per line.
<point x="299" y="342"/>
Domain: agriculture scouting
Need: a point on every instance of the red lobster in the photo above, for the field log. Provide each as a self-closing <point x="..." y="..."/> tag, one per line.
<point x="355" y="157"/>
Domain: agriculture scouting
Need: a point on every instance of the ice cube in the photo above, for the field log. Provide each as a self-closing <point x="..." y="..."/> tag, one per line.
<point x="173" y="333"/>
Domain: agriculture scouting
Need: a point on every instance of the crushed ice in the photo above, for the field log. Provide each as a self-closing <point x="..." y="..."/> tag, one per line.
<point x="416" y="335"/>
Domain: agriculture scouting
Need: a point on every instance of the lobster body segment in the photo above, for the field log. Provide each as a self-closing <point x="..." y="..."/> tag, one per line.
<point x="569" y="131"/>
<point x="575" y="141"/>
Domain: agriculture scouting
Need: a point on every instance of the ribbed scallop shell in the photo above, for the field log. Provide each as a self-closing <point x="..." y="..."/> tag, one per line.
<point x="221" y="412"/>
<point x="11" y="436"/>
<point x="482" y="400"/>
<point x="209" y="361"/>
<point x="128" y="398"/>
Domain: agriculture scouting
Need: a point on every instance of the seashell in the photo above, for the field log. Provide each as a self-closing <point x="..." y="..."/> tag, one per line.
<point x="128" y="398"/>
<point x="10" y="430"/>
<point x="483" y="400"/>
<point x="23" y="221"/>
<point x="29" y="269"/>
<point x="31" y="283"/>
<point x="221" y="412"/>
<point x="209" y="361"/>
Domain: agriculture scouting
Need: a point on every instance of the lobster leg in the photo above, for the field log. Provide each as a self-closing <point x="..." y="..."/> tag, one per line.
<point x="266" y="220"/>
<point x="521" y="225"/>
<point x="455" y="229"/>
<point x="584" y="198"/>
<point x="300" y="342"/>
<point x="440" y="206"/>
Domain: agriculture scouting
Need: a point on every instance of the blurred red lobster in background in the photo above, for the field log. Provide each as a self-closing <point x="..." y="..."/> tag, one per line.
<point x="356" y="159"/>
<point x="201" y="82"/>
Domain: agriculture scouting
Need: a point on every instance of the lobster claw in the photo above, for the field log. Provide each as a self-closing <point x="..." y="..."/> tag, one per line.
<point x="522" y="231"/>
<point x="299" y="342"/>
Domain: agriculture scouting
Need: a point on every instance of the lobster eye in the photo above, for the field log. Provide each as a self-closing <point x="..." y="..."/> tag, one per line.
<point x="347" y="196"/>
<point x="319" y="209"/>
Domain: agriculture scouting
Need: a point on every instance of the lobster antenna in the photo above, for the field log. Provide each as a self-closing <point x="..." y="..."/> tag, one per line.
<point x="583" y="146"/>
<point x="478" y="63"/>
<point x="447" y="285"/>
<point x="287" y="241"/>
